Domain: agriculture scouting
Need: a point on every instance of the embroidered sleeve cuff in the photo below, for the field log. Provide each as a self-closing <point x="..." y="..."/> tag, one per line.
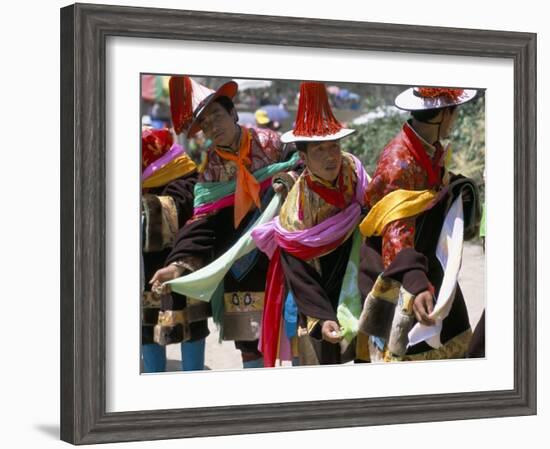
<point x="314" y="327"/>
<point x="184" y="266"/>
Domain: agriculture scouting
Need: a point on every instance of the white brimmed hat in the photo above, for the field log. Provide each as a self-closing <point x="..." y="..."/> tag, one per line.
<point x="423" y="98"/>
<point x="189" y="99"/>
<point x="314" y="118"/>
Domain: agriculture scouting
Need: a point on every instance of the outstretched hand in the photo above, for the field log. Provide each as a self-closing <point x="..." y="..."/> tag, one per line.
<point x="161" y="276"/>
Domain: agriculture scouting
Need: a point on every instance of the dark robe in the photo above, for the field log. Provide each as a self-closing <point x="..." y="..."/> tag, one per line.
<point x="417" y="268"/>
<point x="477" y="345"/>
<point x="181" y="191"/>
<point x="317" y="295"/>
<point x="205" y="239"/>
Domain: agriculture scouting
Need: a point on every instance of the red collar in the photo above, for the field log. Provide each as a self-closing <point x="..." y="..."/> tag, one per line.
<point x="331" y="196"/>
<point x="431" y="166"/>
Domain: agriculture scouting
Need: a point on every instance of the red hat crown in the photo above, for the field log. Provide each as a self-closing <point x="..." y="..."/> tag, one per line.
<point x="435" y="92"/>
<point x="314" y="116"/>
<point x="181" y="104"/>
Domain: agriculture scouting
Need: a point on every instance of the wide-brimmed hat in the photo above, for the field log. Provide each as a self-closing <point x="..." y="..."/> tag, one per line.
<point x="314" y="118"/>
<point x="189" y="99"/>
<point x="424" y="98"/>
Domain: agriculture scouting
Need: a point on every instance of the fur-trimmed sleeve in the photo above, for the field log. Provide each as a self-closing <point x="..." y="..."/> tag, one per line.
<point x="161" y="222"/>
<point x="165" y="214"/>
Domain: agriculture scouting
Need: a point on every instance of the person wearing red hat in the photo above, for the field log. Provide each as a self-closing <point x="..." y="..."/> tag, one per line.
<point x="314" y="243"/>
<point x="419" y="216"/>
<point x="234" y="185"/>
<point x="168" y="179"/>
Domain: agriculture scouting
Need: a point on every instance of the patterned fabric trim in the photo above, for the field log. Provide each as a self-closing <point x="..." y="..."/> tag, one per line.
<point x="242" y="316"/>
<point x="172" y="317"/>
<point x="314" y="326"/>
<point x="169" y="220"/>
<point x="239" y="302"/>
<point x="386" y="289"/>
<point x="384" y="310"/>
<point x="190" y="264"/>
<point x="150" y="300"/>
<point x="455" y="348"/>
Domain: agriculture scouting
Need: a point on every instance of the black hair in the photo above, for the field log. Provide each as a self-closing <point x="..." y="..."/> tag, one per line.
<point x="301" y="146"/>
<point x="226" y="103"/>
<point x="425" y="115"/>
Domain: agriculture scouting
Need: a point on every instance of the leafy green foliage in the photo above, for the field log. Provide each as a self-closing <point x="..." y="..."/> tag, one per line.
<point x="369" y="140"/>
<point x="467" y="140"/>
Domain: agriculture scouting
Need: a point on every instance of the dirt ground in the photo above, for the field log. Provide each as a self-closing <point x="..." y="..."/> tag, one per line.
<point x="472" y="282"/>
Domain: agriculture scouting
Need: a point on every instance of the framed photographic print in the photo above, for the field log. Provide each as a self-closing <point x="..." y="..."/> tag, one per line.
<point x="117" y="65"/>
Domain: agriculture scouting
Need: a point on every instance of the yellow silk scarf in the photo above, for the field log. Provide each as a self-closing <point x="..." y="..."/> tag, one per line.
<point x="395" y="205"/>
<point x="180" y="166"/>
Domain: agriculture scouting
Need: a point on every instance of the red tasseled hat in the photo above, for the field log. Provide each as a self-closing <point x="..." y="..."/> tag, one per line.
<point x="424" y="98"/>
<point x="314" y="118"/>
<point x="188" y="99"/>
<point x="434" y="92"/>
<point x="181" y="104"/>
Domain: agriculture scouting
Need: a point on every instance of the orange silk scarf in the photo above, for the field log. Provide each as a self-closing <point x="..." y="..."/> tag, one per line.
<point x="247" y="191"/>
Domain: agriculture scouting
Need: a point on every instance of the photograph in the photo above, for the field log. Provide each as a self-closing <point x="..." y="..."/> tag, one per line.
<point x="290" y="223"/>
<point x="276" y="224"/>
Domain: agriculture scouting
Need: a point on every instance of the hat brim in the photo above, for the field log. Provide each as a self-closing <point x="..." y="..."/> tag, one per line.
<point x="408" y="101"/>
<point x="289" y="136"/>
<point x="228" y="89"/>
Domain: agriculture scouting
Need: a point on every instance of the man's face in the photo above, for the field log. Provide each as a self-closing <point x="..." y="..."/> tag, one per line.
<point x="449" y="119"/>
<point x="218" y="124"/>
<point x="324" y="159"/>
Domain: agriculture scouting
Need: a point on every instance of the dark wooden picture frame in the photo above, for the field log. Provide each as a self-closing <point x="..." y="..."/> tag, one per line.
<point x="84" y="29"/>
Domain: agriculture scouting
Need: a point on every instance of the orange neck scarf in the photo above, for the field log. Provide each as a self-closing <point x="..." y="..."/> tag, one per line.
<point x="247" y="191"/>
